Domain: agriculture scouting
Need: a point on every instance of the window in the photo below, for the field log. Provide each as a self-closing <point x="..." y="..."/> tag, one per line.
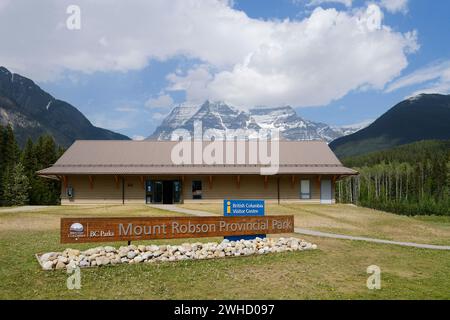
<point x="196" y="189"/>
<point x="305" y="189"/>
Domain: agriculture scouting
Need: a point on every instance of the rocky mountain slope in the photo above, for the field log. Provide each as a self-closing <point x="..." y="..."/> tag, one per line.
<point x="423" y="117"/>
<point x="33" y="112"/>
<point x="220" y="117"/>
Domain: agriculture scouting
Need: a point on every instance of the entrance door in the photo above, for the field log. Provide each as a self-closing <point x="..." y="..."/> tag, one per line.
<point x="163" y="191"/>
<point x="158" y="192"/>
<point x="167" y="192"/>
<point x="325" y="192"/>
<point x="148" y="191"/>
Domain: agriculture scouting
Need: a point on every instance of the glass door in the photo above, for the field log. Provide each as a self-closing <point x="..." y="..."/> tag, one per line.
<point x="176" y="191"/>
<point x="148" y="191"/>
<point x="158" y="192"/>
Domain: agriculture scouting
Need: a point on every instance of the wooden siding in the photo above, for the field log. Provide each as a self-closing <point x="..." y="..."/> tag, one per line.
<point x="105" y="189"/>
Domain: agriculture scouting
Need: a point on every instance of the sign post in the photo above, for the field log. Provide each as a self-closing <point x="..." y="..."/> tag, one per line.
<point x="244" y="208"/>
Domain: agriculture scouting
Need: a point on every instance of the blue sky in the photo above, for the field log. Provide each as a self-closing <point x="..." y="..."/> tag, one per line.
<point x="128" y="65"/>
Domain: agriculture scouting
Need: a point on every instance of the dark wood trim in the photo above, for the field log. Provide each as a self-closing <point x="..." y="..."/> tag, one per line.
<point x="278" y="189"/>
<point x="123" y="190"/>
<point x="66" y="181"/>
<point x="210" y="182"/>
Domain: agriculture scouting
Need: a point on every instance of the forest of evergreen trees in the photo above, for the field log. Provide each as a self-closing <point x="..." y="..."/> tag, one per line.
<point x="412" y="179"/>
<point x="19" y="184"/>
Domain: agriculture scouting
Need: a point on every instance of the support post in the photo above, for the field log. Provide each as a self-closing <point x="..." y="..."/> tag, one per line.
<point x="91" y="182"/>
<point x="278" y="189"/>
<point x="123" y="190"/>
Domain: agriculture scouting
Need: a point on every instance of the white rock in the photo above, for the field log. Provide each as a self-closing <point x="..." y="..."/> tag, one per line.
<point x="84" y="263"/>
<point x="48" y="265"/>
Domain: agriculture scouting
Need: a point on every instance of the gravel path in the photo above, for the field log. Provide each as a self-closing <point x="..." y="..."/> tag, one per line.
<point x="345" y="237"/>
<point x="175" y="208"/>
<point x="308" y="232"/>
<point x="21" y="209"/>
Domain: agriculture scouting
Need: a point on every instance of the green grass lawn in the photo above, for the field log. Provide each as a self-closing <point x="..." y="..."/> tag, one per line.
<point x="357" y="221"/>
<point x="337" y="270"/>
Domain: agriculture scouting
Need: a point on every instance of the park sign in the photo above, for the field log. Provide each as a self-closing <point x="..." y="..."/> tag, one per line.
<point x="81" y="230"/>
<point x="243" y="208"/>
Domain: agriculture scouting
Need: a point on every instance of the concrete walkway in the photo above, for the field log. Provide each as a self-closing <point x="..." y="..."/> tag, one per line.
<point x="313" y="233"/>
<point x="22" y="209"/>
<point x="175" y="208"/>
<point x="345" y="237"/>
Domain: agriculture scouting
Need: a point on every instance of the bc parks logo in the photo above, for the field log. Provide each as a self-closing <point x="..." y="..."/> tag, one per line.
<point x="77" y="230"/>
<point x="76" y="227"/>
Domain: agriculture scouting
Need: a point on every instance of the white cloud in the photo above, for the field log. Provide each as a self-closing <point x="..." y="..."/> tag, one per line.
<point x="434" y="78"/>
<point x="308" y="63"/>
<point x="123" y="35"/>
<point x="138" y="137"/>
<point x="347" y="3"/>
<point x="159" y="116"/>
<point x="241" y="60"/>
<point x="126" y="109"/>
<point x="394" y="6"/>
<point x="162" y="101"/>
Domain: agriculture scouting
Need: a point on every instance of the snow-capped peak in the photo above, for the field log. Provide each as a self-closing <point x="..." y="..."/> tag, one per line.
<point x="219" y="116"/>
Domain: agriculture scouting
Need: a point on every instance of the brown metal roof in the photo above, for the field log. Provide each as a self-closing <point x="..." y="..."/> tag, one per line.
<point x="154" y="157"/>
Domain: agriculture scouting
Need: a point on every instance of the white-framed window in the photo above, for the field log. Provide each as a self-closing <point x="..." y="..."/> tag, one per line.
<point x="305" y="189"/>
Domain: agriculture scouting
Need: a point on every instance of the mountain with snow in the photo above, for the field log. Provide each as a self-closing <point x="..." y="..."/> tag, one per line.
<point x="220" y="117"/>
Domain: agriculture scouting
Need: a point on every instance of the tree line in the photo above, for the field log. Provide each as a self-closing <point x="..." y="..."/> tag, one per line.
<point x="412" y="179"/>
<point x="19" y="184"/>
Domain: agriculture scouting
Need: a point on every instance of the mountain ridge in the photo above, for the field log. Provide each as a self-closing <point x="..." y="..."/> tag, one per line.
<point x="220" y="116"/>
<point x="422" y="117"/>
<point x="33" y="112"/>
